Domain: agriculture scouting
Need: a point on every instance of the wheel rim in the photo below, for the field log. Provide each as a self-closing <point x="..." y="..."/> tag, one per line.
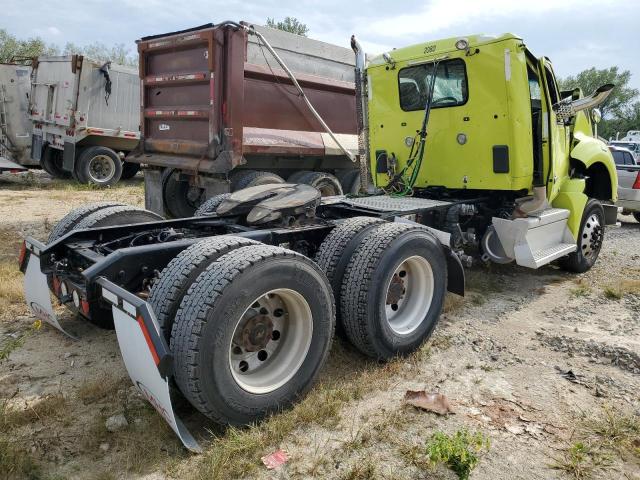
<point x="409" y="295"/>
<point x="591" y="239"/>
<point x="271" y="341"/>
<point x="101" y="169"/>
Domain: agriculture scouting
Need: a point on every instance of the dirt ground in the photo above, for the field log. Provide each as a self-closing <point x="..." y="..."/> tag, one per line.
<point x="543" y="366"/>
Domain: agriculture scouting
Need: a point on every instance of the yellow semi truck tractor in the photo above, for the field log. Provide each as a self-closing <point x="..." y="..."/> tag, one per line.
<point x="467" y="150"/>
<point x="480" y="121"/>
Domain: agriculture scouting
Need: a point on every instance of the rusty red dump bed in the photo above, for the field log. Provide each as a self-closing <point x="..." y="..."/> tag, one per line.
<point x="212" y="98"/>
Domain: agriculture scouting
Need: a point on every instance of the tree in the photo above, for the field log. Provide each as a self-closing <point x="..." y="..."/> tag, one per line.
<point x="118" y="53"/>
<point x="590" y="79"/>
<point x="11" y="47"/>
<point x="290" y="24"/>
<point x="627" y="119"/>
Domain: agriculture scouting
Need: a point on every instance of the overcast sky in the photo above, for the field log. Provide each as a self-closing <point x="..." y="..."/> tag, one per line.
<point x="575" y="34"/>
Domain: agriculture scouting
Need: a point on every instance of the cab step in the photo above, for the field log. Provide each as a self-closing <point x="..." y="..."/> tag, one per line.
<point x="538" y="239"/>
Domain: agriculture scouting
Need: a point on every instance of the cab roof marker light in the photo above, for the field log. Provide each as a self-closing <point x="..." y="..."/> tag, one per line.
<point x="109" y="296"/>
<point x="462" y="44"/>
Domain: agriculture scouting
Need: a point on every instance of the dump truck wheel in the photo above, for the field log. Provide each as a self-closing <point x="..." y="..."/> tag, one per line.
<point x="336" y="250"/>
<point x="71" y="219"/>
<point x="176" y="278"/>
<point x="250" y="178"/>
<point x="350" y="181"/>
<point x="393" y="290"/>
<point x="181" y="200"/>
<point x="252" y="333"/>
<point x="327" y="184"/>
<point x="52" y="163"/>
<point x="210" y="206"/>
<point x="98" y="165"/>
<point x="129" y="170"/>
<point x="589" y="240"/>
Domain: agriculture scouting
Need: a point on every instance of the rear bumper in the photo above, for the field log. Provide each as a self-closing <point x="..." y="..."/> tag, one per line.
<point x="630" y="205"/>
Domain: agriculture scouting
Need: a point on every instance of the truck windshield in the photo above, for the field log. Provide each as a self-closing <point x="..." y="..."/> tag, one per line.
<point x="450" y="88"/>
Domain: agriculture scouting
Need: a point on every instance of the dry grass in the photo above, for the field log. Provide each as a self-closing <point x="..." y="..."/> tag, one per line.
<point x="49" y="407"/>
<point x="598" y="441"/>
<point x="99" y="388"/>
<point x="624" y="287"/>
<point x="582" y="288"/>
<point x="10" y="284"/>
<point x="16" y="463"/>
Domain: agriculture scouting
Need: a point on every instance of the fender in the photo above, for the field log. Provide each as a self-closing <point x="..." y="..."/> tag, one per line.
<point x="592" y="152"/>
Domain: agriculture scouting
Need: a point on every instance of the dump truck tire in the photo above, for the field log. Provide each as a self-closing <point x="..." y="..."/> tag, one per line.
<point x="589" y="241"/>
<point x="71" y="219"/>
<point x="52" y="163"/>
<point x="176" y="278"/>
<point x="393" y="290"/>
<point x="210" y="205"/>
<point x="129" y="170"/>
<point x="327" y="184"/>
<point x="250" y="178"/>
<point x="350" y="181"/>
<point x="231" y="321"/>
<point x="180" y="199"/>
<point x="335" y="252"/>
<point x="98" y="165"/>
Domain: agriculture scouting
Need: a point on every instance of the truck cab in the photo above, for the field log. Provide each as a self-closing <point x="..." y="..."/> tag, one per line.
<point x="497" y="126"/>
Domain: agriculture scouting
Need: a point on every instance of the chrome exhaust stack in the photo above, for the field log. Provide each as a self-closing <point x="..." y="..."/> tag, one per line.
<point x="568" y="108"/>
<point x="366" y="181"/>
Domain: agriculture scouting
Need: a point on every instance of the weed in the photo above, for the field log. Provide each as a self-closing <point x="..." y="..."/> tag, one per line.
<point x="99" y="388"/>
<point x="452" y="303"/>
<point x="613" y="293"/>
<point x="581" y="290"/>
<point x="15" y="463"/>
<point x="459" y="452"/>
<point x="478" y="299"/>
<point x="18" y="340"/>
<point x="580" y="460"/>
<point x="10" y="284"/>
<point x="360" y="471"/>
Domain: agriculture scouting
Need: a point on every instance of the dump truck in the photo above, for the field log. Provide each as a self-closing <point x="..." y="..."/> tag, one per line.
<point x="219" y="114"/>
<point x="15" y="128"/>
<point x="468" y="152"/>
<point x="85" y="118"/>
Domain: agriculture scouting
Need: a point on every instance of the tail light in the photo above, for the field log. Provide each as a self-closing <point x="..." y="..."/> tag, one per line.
<point x="636" y="184"/>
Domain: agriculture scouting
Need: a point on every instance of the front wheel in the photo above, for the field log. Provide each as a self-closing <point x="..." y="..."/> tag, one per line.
<point x="589" y="239"/>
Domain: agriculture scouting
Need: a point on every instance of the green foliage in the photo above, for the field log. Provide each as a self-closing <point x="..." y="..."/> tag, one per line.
<point x="11" y="48"/>
<point x="289" y="24"/>
<point x="621" y="111"/>
<point x="13" y="343"/>
<point x="117" y="53"/>
<point x="459" y="452"/>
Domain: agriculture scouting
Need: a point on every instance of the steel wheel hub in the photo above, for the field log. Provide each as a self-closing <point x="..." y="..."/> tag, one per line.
<point x="592" y="236"/>
<point x="409" y="295"/>
<point x="101" y="168"/>
<point x="271" y="341"/>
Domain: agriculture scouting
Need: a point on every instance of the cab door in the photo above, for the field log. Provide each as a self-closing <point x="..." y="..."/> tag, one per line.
<point x="558" y="133"/>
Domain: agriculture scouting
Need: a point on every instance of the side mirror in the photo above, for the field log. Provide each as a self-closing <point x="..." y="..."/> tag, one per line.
<point x="596" y="115"/>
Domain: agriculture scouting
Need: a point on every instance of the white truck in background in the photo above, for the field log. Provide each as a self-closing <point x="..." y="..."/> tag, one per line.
<point x="15" y="127"/>
<point x="631" y="141"/>
<point x="85" y="116"/>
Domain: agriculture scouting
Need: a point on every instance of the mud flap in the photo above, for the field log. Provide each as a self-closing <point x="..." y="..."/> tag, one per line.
<point x="145" y="354"/>
<point x="36" y="289"/>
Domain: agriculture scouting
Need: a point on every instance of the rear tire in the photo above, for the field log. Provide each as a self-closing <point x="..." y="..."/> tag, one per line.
<point x="71" y="219"/>
<point x="589" y="241"/>
<point x="336" y="250"/>
<point x="129" y="170"/>
<point x="210" y="206"/>
<point x="350" y="181"/>
<point x="250" y="178"/>
<point x="181" y="200"/>
<point x="176" y="278"/>
<point x="226" y="319"/>
<point x="100" y="166"/>
<point x="52" y="163"/>
<point x="328" y="185"/>
<point x="393" y="290"/>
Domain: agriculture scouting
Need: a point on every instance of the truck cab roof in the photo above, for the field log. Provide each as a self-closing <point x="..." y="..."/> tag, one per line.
<point x="438" y="48"/>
